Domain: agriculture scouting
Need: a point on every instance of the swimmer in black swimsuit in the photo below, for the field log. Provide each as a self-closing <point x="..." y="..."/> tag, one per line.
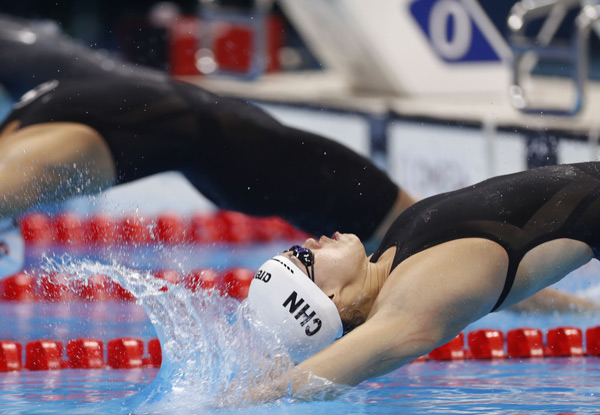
<point x="104" y="122"/>
<point x="446" y="261"/>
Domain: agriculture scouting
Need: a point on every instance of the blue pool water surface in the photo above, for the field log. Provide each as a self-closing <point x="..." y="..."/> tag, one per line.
<point x="508" y="386"/>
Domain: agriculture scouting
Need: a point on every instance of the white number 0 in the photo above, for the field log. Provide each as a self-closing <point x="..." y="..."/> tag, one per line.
<point x="457" y="45"/>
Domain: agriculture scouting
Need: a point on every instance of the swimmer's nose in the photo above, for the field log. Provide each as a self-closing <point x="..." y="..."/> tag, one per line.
<point x="311" y="243"/>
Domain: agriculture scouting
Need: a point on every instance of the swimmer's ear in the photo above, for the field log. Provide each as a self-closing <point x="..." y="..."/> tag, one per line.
<point x="334" y="297"/>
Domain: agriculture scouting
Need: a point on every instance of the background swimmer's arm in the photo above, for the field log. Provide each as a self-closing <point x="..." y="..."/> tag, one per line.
<point x="550" y="300"/>
<point x="46" y="163"/>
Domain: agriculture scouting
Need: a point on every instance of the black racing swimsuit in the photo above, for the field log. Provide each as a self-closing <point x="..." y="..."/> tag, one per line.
<point x="231" y="151"/>
<point x="518" y="211"/>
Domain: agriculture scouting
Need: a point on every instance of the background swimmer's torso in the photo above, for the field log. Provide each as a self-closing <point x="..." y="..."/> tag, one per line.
<point x="232" y="152"/>
<point x="518" y="211"/>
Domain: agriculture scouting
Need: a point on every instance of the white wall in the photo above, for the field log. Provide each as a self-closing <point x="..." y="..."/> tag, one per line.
<point x="428" y="159"/>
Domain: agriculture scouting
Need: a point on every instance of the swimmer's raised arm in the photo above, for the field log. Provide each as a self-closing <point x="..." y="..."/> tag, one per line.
<point x="425" y="302"/>
<point x="371" y="350"/>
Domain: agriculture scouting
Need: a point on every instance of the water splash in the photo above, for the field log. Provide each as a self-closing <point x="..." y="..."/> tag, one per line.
<point x="214" y="351"/>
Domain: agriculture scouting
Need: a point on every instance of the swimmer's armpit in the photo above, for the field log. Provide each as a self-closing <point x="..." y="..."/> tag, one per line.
<point x="10" y="128"/>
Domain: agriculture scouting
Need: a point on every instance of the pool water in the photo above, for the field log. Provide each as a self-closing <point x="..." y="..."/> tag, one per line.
<point x="216" y="347"/>
<point x="543" y="386"/>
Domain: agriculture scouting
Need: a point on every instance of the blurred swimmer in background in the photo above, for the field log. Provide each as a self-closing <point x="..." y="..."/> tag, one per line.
<point x="89" y="122"/>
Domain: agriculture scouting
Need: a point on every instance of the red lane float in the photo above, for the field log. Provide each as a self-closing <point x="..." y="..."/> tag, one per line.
<point x="592" y="341"/>
<point x="134" y="229"/>
<point x="520" y="343"/>
<point x="43" y="355"/>
<point x="274" y="228"/>
<point x="200" y="279"/>
<point x="236" y="282"/>
<point x="203" y="229"/>
<point x="24" y="287"/>
<point x="155" y="352"/>
<point x="36" y="228"/>
<point x="486" y="344"/>
<point x="118" y="293"/>
<point x="170" y="229"/>
<point x="525" y="342"/>
<point x="96" y="288"/>
<point x="126" y="353"/>
<point x="18" y="287"/>
<point x="86" y="353"/>
<point x="564" y="341"/>
<point x="55" y="287"/>
<point x="67" y="229"/>
<point x="100" y="229"/>
<point x="235" y="227"/>
<point x="10" y="356"/>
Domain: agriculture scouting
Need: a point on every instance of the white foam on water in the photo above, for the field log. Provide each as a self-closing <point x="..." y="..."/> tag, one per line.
<point x="213" y="355"/>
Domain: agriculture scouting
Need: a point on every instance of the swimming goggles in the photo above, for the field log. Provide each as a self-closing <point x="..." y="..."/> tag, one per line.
<point x="306" y="257"/>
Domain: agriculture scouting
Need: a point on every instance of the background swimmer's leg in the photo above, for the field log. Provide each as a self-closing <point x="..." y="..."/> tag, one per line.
<point x="32" y="53"/>
<point x="248" y="161"/>
<point x="550" y="300"/>
<point x="51" y="162"/>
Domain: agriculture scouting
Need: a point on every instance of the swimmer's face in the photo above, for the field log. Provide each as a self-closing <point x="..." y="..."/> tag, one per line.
<point x="339" y="264"/>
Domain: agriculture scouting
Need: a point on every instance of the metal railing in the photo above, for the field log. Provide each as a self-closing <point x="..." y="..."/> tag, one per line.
<point x="529" y="50"/>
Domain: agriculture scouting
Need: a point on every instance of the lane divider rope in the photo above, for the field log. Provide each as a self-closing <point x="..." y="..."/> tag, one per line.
<point x="70" y="229"/>
<point x="36" y="285"/>
<point x="128" y="353"/>
<point x="47" y="354"/>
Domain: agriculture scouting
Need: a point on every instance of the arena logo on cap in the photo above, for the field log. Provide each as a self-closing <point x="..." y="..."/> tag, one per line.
<point x="313" y="324"/>
<point x="263" y="276"/>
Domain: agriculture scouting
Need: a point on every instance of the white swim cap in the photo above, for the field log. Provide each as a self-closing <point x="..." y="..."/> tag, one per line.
<point x="287" y="301"/>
